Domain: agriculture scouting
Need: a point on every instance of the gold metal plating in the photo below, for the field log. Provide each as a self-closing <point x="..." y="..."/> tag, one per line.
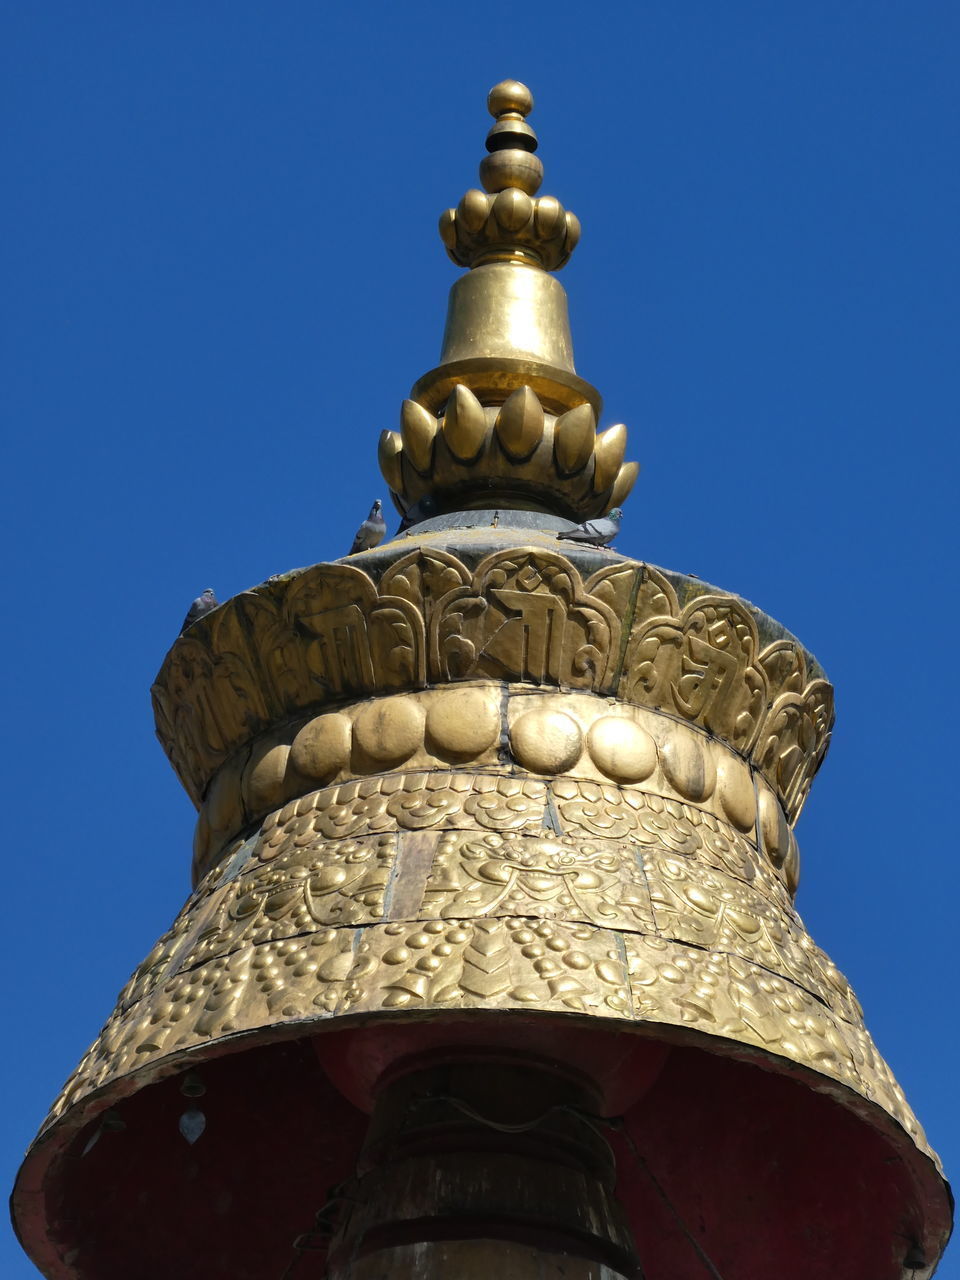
<point x="502" y="310"/>
<point x="521" y="789"/>
<point x="493" y="378"/>
<point x="507" y="335"/>
<point x="504" y="223"/>
<point x="576" y="739"/>
<point x="525" y="615"/>
<point x="509" y="780"/>
<point x="509" y="228"/>
<point x="458" y="890"/>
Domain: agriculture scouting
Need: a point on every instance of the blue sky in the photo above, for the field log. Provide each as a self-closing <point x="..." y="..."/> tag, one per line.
<point x="222" y="275"/>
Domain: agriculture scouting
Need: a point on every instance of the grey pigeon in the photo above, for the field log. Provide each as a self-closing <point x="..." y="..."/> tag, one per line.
<point x="596" y="533"/>
<point x="203" y="604"/>
<point x="370" y="534"/>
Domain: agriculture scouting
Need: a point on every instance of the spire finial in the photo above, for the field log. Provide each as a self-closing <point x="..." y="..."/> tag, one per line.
<point x="511" y="142"/>
<point x="504" y="421"/>
<point x="504" y="223"/>
<point x="510" y="97"/>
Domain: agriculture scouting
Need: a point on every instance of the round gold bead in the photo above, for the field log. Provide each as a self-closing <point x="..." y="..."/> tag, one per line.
<point x="512" y="209"/>
<point x="773" y="827"/>
<point x="389" y="729"/>
<point x="546" y="741"/>
<point x="688" y="767"/>
<point x="224" y="807"/>
<point x="463" y="723"/>
<point x="322" y="747"/>
<point x="621" y="749"/>
<point x="509" y="95"/>
<point x="511" y="168"/>
<point x="473" y="209"/>
<point x="791" y="864"/>
<point x="737" y="796"/>
<point x="263" y="778"/>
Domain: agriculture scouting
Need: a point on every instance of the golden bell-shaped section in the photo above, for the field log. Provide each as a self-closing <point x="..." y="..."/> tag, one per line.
<point x="504" y="420"/>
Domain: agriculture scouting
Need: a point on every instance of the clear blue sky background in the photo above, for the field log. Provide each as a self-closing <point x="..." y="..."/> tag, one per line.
<point x="222" y="274"/>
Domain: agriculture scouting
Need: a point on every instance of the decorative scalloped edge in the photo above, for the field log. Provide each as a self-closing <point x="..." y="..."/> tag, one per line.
<point x="485" y="227"/>
<point x="561" y="462"/>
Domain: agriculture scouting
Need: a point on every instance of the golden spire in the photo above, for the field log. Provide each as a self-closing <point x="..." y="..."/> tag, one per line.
<point x="503" y="223"/>
<point x="504" y="420"/>
<point x="495" y="844"/>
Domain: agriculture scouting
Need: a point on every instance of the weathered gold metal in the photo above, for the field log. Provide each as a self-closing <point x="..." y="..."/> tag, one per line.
<point x="662" y="897"/>
<point x="468" y="779"/>
<point x="483" y="727"/>
<point x="417" y="616"/>
<point x="507" y="334"/>
<point x="507" y="225"/>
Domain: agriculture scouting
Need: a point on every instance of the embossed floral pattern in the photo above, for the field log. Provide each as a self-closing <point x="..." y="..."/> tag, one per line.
<point x="331" y="633"/>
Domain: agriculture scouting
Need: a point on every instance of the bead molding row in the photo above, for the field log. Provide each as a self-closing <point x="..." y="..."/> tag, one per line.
<point x="335" y="633"/>
<point x="504" y="731"/>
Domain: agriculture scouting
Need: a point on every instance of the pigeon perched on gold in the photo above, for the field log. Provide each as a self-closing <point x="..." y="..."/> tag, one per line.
<point x="371" y="532"/>
<point x="596" y="533"/>
<point x="204" y="604"/>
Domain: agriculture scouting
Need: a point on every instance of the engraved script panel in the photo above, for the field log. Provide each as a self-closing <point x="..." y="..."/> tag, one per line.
<point x="526" y="616"/>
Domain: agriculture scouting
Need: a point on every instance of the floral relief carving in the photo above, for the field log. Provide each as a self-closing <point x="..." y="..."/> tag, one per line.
<point x="281" y="655"/>
<point x="423" y="577"/>
<point x="570" y="896"/>
<point x="545" y="876"/>
<point x="357" y="640"/>
<point x="502" y="962"/>
<point x="702" y="666"/>
<point x="794" y="741"/>
<point x="524" y="615"/>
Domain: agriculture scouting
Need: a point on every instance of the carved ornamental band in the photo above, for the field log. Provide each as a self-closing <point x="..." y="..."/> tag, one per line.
<point x="333" y="634"/>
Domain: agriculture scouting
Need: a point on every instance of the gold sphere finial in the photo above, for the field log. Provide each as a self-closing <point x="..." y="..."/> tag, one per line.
<point x="511" y="142"/>
<point x="509" y="95"/>
<point x="506" y="222"/>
